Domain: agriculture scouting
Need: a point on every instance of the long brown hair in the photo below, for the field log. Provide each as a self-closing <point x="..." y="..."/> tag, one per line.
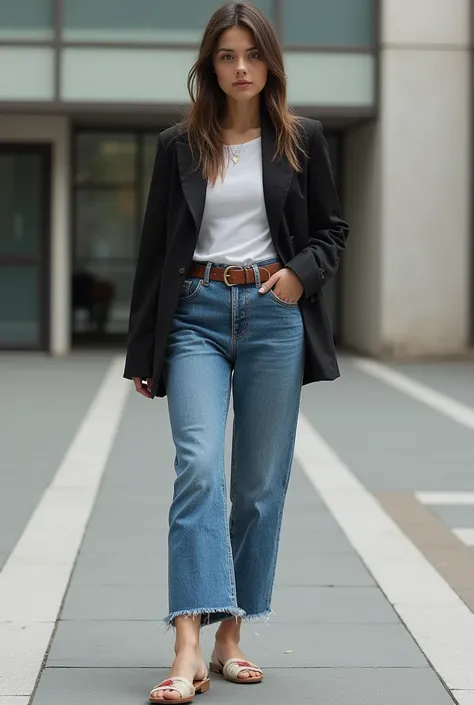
<point x="203" y="120"/>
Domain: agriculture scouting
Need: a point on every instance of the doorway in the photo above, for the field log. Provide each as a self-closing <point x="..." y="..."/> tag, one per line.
<point x="25" y="178"/>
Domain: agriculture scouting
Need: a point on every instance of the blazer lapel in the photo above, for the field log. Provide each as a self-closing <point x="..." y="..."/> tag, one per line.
<point x="194" y="186"/>
<point x="277" y="177"/>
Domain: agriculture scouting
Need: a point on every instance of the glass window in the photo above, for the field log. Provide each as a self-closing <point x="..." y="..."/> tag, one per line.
<point x="328" y="22"/>
<point x="142" y="20"/>
<point x="101" y="296"/>
<point x="131" y="75"/>
<point x="24" y="19"/>
<point x="105" y="223"/>
<point x="21" y="206"/>
<point x="26" y="73"/>
<point x="331" y="78"/>
<point x="19" y="306"/>
<point x="111" y="183"/>
<point x="105" y="159"/>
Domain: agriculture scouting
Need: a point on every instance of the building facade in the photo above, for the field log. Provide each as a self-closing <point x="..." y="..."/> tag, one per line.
<point x="86" y="86"/>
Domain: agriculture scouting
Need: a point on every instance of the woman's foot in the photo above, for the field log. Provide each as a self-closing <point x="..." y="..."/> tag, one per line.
<point x="189" y="664"/>
<point x="227" y="646"/>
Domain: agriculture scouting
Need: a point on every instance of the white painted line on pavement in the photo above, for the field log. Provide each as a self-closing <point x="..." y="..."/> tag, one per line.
<point x="465" y="535"/>
<point x="455" y="410"/>
<point x="440" y="498"/>
<point x="440" y="622"/>
<point x="35" y="577"/>
<point x="464" y="697"/>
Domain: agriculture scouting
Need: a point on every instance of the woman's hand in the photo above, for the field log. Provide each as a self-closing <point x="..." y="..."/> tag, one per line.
<point x="285" y="284"/>
<point x="142" y="388"/>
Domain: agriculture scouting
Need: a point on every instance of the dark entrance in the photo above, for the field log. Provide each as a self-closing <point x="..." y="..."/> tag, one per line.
<point x="25" y="178"/>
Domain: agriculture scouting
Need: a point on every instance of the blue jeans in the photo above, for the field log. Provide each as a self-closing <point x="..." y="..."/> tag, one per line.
<point x="225" y="338"/>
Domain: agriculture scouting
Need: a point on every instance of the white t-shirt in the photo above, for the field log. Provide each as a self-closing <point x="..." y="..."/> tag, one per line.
<point x="234" y="227"/>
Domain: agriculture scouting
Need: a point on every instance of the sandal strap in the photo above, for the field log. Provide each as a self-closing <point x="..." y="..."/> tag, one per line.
<point x="182" y="686"/>
<point x="234" y="666"/>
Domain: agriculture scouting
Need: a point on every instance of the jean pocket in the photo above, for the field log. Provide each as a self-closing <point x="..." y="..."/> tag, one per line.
<point x="286" y="304"/>
<point x="190" y="288"/>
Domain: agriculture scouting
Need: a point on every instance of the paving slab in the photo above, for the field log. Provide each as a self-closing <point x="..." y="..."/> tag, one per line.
<point x="311" y="686"/>
<point x="123" y="541"/>
<point x="134" y="644"/>
<point x="464" y="697"/>
<point x="323" y="569"/>
<point x="59" y="394"/>
<point x="26" y="639"/>
<point x="456" y="517"/>
<point x="331" y="605"/>
<point x="389" y="440"/>
<point x="128" y="569"/>
<point x="298" y="605"/>
<point x="115" y="602"/>
<point x="3" y="558"/>
<point x="456" y="379"/>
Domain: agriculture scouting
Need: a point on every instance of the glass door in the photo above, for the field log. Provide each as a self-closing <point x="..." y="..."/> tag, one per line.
<point x="112" y="171"/>
<point x="24" y="238"/>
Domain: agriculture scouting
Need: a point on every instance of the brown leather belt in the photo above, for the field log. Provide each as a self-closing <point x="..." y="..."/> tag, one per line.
<point x="234" y="273"/>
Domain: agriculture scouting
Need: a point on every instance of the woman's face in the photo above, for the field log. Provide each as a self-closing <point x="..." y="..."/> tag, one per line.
<point x="241" y="72"/>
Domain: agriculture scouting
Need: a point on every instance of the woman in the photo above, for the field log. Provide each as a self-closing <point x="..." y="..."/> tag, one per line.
<point x="241" y="231"/>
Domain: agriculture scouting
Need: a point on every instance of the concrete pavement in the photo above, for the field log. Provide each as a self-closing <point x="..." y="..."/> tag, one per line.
<point x="374" y="594"/>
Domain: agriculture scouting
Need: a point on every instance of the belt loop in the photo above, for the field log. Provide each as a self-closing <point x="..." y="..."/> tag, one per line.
<point x="257" y="275"/>
<point x="207" y="274"/>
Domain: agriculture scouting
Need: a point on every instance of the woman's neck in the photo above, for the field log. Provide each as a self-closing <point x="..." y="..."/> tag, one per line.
<point x="242" y="117"/>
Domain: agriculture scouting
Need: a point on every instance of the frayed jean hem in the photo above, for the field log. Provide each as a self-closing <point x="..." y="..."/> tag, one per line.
<point x="260" y="617"/>
<point x="208" y="616"/>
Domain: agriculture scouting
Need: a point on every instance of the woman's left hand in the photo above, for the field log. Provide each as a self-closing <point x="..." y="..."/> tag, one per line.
<point x="286" y="285"/>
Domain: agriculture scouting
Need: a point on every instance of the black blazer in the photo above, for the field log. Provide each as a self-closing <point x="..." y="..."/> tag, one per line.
<point x="306" y="227"/>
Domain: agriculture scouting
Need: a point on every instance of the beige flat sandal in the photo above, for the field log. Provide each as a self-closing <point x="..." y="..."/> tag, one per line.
<point x="185" y="688"/>
<point x="231" y="669"/>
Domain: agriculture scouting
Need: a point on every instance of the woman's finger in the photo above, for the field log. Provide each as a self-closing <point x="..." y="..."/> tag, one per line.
<point x="270" y="283"/>
<point x="141" y="388"/>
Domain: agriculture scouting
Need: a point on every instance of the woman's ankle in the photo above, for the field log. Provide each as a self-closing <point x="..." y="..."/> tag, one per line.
<point x="187" y="634"/>
<point x="186" y="644"/>
<point x="228" y="634"/>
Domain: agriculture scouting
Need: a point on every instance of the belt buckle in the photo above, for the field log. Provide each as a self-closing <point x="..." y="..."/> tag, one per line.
<point x="226" y="272"/>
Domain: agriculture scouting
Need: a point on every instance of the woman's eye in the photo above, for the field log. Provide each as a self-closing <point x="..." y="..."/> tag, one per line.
<point x="227" y="57"/>
<point x="254" y="55"/>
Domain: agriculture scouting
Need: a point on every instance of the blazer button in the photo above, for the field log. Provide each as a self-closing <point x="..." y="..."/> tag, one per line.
<point x="182" y="270"/>
<point x="313" y="299"/>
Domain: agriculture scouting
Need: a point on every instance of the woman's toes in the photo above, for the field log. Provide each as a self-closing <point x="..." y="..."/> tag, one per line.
<point x="169" y="695"/>
<point x="248" y="674"/>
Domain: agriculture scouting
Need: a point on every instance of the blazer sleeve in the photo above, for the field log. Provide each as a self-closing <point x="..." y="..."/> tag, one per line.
<point x="146" y="285"/>
<point x="319" y="261"/>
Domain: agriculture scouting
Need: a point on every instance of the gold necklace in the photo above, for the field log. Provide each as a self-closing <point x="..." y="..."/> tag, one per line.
<point x="235" y="154"/>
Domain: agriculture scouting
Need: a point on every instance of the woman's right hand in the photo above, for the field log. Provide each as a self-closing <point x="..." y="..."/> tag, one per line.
<point x="142" y="388"/>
